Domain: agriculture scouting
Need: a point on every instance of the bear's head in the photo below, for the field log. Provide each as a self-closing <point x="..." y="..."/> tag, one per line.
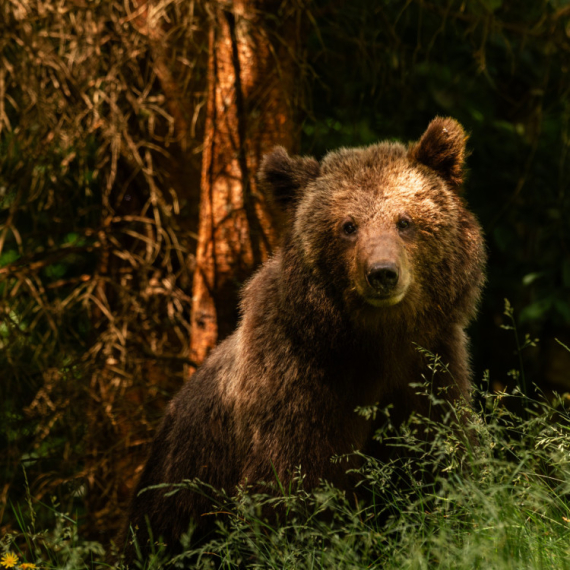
<point x="385" y="225"/>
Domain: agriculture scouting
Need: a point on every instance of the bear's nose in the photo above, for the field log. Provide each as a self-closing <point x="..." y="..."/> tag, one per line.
<point x="383" y="276"/>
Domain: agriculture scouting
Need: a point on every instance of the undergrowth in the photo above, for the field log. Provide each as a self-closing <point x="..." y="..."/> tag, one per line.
<point x="491" y="494"/>
<point x="442" y="502"/>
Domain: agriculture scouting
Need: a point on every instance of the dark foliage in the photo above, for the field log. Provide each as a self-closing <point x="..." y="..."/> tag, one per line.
<point x="383" y="69"/>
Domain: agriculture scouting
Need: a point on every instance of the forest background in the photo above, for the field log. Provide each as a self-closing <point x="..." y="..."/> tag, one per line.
<point x="130" y="135"/>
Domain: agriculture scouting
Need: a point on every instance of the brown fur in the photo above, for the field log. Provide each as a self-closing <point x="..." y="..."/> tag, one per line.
<point x="323" y="329"/>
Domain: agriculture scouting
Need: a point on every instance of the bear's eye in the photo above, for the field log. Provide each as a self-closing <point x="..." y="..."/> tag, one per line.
<point x="403" y="223"/>
<point x="349" y="227"/>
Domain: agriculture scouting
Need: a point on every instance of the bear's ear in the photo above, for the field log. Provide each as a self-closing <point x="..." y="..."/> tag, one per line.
<point x="442" y="148"/>
<point x="285" y="176"/>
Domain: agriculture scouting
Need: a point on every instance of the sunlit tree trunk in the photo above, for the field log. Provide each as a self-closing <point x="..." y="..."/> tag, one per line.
<point x="253" y="83"/>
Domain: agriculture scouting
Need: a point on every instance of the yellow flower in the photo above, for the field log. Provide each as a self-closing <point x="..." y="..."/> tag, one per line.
<point x="9" y="560"/>
<point x="28" y="566"/>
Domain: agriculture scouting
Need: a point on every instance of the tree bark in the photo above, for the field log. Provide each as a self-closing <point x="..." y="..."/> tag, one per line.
<point x="251" y="102"/>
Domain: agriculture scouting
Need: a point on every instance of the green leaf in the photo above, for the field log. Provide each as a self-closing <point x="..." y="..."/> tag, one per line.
<point x="56" y="270"/>
<point x="8" y="257"/>
<point x="536" y="310"/>
<point x="531" y="278"/>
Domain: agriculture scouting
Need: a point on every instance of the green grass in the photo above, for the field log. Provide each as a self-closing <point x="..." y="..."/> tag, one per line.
<point x="440" y="503"/>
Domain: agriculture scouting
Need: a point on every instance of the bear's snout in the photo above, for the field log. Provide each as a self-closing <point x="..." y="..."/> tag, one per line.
<point x="383" y="276"/>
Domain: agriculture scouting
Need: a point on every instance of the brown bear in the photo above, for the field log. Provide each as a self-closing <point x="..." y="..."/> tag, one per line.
<point x="380" y="255"/>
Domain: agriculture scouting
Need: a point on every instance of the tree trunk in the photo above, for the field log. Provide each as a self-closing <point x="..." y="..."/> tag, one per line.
<point x="252" y="87"/>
